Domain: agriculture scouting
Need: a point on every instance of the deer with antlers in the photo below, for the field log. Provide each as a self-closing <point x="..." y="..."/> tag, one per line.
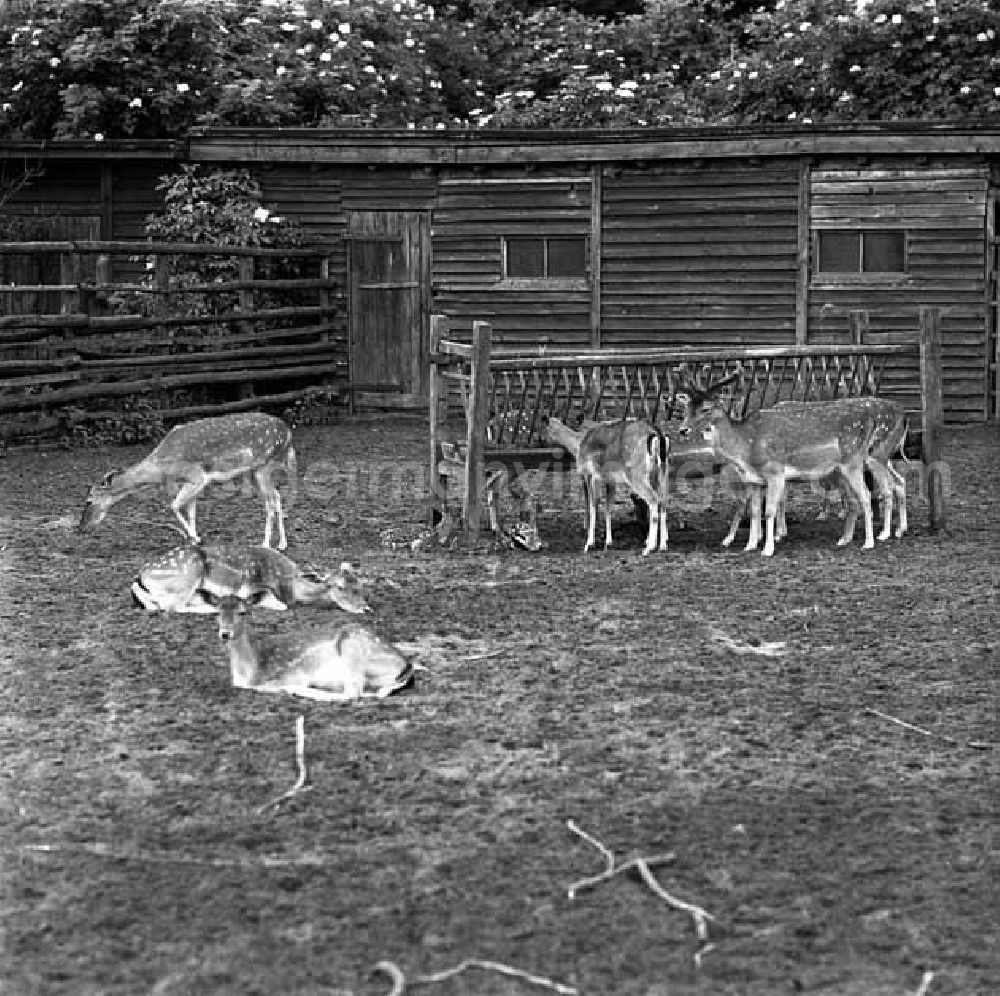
<point x="197" y="454"/>
<point x="804" y="441"/>
<point x="888" y="439"/>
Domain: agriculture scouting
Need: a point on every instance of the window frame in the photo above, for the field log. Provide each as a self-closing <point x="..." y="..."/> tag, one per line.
<point x="861" y="276"/>
<point x="544" y="282"/>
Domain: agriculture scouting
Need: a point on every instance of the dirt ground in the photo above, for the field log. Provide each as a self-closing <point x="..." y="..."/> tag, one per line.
<point x="706" y="702"/>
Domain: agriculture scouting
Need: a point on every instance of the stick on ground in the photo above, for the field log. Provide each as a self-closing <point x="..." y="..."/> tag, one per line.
<point x="300" y="760"/>
<point x="643" y="865"/>
<point x="976" y="744"/>
<point x="399" y="979"/>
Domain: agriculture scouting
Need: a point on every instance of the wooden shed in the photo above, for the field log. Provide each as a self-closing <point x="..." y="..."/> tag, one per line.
<point x="631" y="238"/>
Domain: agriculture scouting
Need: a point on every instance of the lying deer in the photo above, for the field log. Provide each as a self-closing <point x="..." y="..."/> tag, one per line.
<point x="335" y="663"/>
<point x="626" y="452"/>
<point x="193" y="578"/>
<point x="208" y="451"/>
<point x="809" y="441"/>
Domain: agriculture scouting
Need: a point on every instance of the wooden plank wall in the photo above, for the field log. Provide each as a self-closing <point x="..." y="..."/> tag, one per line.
<point x="942" y="208"/>
<point x="473" y="213"/>
<point x="699" y="255"/>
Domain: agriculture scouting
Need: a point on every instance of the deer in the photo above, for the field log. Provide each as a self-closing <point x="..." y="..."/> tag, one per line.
<point x="807" y="441"/>
<point x="337" y="662"/>
<point x="200" y="453"/>
<point x="623" y="451"/>
<point x="891" y="427"/>
<point x="192" y="578"/>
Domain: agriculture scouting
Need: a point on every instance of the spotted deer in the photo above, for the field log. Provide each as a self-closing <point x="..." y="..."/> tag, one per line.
<point x="201" y="453"/>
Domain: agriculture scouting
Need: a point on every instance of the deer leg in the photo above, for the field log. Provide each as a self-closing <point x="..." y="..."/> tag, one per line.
<point x="781" y="526"/>
<point x="272" y="507"/>
<point x="880" y="475"/>
<point x="775" y="494"/>
<point x="609" y="500"/>
<point x="657" y="521"/>
<point x="899" y="489"/>
<point x="753" y="540"/>
<point x="734" y="527"/>
<point x="856" y="481"/>
<point x="590" y="497"/>
<point x="185" y="502"/>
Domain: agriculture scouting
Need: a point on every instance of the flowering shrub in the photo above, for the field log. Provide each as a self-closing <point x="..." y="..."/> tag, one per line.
<point x="145" y="69"/>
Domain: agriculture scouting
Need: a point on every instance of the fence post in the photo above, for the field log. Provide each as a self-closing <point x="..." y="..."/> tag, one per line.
<point x="932" y="404"/>
<point x="476" y="417"/>
<point x="247" y="270"/>
<point x="438" y="483"/>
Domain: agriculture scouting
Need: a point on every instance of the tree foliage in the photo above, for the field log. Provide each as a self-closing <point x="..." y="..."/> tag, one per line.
<point x="155" y="68"/>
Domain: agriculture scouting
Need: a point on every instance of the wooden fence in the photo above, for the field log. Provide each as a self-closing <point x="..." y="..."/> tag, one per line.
<point x="503" y="397"/>
<point x="236" y="341"/>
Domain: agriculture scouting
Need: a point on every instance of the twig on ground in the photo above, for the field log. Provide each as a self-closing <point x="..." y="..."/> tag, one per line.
<point x="399" y="979"/>
<point x="612" y="869"/>
<point x="701" y="917"/>
<point x="300" y="760"/>
<point x="394" y="973"/>
<point x="925" y="984"/>
<point x="643" y="865"/>
<point x="486" y="655"/>
<point x="763" y="649"/>
<point x="976" y="744"/>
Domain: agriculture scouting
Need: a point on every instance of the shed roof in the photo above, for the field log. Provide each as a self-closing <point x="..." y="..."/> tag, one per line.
<point x="486" y="147"/>
<point x="498" y="147"/>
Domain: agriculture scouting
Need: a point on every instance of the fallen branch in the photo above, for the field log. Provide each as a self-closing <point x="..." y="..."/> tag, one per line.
<point x="399" y="979"/>
<point x="612" y="868"/>
<point x="300" y="760"/>
<point x="976" y="744"/>
<point x="643" y="865"/>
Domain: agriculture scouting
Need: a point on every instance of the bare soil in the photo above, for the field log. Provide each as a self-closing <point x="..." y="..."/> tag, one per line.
<point x="838" y="852"/>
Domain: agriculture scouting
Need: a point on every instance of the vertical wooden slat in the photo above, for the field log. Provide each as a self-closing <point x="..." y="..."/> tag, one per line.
<point x="596" y="223"/>
<point x="931" y="397"/>
<point x="478" y="414"/>
<point x="802" y="255"/>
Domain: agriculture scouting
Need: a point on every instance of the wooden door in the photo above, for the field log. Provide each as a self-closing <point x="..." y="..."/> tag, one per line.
<point x="389" y="307"/>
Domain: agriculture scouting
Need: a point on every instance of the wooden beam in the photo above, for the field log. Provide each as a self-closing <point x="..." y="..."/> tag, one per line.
<point x="476" y="418"/>
<point x="437" y="400"/>
<point x="931" y="399"/>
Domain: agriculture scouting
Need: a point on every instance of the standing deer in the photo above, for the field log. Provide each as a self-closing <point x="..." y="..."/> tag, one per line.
<point x="208" y="451"/>
<point x="333" y="663"/>
<point x="808" y="441"/>
<point x="632" y="453"/>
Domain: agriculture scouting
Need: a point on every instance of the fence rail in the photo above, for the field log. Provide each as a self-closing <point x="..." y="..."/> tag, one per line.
<point x="86" y="336"/>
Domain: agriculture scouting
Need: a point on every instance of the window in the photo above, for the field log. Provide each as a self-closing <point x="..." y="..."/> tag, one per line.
<point x="859" y="251"/>
<point x="544" y="258"/>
